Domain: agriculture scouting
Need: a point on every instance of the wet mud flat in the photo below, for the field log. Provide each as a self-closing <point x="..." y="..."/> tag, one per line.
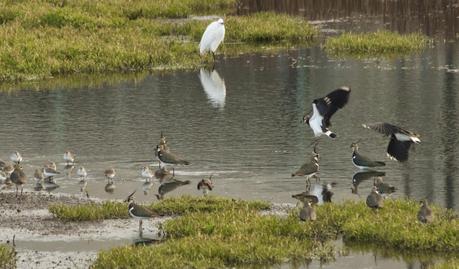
<point x="43" y="241"/>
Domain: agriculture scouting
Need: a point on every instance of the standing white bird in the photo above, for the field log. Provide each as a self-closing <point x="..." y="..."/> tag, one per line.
<point x="212" y="37"/>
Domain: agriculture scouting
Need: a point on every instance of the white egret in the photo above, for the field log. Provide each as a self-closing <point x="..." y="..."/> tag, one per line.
<point x="212" y="37"/>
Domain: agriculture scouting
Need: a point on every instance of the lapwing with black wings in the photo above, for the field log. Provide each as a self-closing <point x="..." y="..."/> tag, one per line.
<point x="363" y="162"/>
<point x="324" y="108"/>
<point x="168" y="158"/>
<point x="138" y="212"/>
<point x="400" y="139"/>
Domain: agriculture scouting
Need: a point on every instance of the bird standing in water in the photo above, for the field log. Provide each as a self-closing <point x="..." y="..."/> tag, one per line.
<point x="212" y="37"/>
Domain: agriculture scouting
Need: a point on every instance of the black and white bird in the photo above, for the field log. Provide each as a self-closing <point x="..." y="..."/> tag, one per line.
<point x="168" y="158"/>
<point x="400" y="139"/>
<point x="363" y="162"/>
<point x="310" y="168"/>
<point x="324" y="108"/>
<point x="138" y="212"/>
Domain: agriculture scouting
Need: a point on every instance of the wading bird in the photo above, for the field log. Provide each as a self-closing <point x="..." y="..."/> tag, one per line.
<point x="138" y="212"/>
<point x="212" y="37"/>
<point x="363" y="162"/>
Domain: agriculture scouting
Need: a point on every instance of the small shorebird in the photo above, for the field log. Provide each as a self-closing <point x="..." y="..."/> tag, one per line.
<point x="308" y="212"/>
<point x="360" y="176"/>
<point x="400" y="139"/>
<point x="170" y="186"/>
<point x="51" y="165"/>
<point x="310" y="168"/>
<point x="49" y="173"/>
<point x="206" y="185"/>
<point x="138" y="212"/>
<point x="363" y="162"/>
<point x="162" y="174"/>
<point x="16" y="157"/>
<point x="382" y="187"/>
<point x="8" y="169"/>
<point x="324" y="108"/>
<point x="425" y="213"/>
<point x="374" y="199"/>
<point x="38" y="177"/>
<point x="81" y="173"/>
<point x="69" y="157"/>
<point x="18" y="177"/>
<point x="167" y="158"/>
<point x="110" y="173"/>
<point x="146" y="173"/>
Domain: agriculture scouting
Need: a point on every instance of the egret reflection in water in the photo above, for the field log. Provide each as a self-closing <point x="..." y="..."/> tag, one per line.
<point x="214" y="86"/>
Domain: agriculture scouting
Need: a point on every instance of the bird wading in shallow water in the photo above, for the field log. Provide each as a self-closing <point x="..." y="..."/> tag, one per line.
<point x="212" y="37"/>
<point x="363" y="162"/>
<point x="310" y="168"/>
<point x="206" y="185"/>
<point x="19" y="178"/>
<point x="138" y="212"/>
<point x="400" y="139"/>
<point x="324" y="108"/>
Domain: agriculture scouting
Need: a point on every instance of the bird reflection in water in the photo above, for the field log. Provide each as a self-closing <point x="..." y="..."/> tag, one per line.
<point x="214" y="86"/>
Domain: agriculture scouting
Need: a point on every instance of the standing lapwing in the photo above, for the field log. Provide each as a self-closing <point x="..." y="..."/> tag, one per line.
<point x="310" y="168"/>
<point x="374" y="199"/>
<point x="308" y="212"/>
<point x="16" y="157"/>
<point x="425" y="213"/>
<point x="360" y="176"/>
<point x="361" y="161"/>
<point x="168" y="158"/>
<point x="138" y="212"/>
<point x="19" y="178"/>
<point x="170" y="186"/>
<point x="383" y="188"/>
<point x="324" y="108"/>
<point x="206" y="185"/>
<point x="400" y="139"/>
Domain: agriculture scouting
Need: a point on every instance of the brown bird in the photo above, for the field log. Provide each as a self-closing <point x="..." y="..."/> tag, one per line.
<point x="425" y="214"/>
<point x="374" y="199"/>
<point x="19" y="178"/>
<point x="110" y="174"/>
<point x="206" y="185"/>
<point x="383" y="188"/>
<point x="308" y="212"/>
<point x="310" y="168"/>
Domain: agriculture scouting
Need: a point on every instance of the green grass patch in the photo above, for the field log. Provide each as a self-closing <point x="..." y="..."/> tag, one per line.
<point x="169" y="206"/>
<point x="378" y="44"/>
<point x="45" y="39"/>
<point x="7" y="257"/>
<point x="233" y="236"/>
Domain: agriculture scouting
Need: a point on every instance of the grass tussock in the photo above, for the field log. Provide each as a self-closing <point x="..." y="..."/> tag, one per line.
<point x="381" y="43"/>
<point x="7" y="257"/>
<point x="44" y="39"/>
<point x="169" y="206"/>
<point x="241" y="236"/>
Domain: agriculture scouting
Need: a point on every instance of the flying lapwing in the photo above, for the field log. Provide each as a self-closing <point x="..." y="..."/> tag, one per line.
<point x="400" y="139"/>
<point x="324" y="108"/>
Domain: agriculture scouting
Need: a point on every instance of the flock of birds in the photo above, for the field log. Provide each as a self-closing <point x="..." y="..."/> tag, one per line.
<point x="318" y="120"/>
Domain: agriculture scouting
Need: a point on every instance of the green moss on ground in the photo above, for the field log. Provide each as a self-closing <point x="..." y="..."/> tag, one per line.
<point x="377" y="44"/>
<point x="168" y="206"/>
<point x="241" y="236"/>
<point x="43" y="39"/>
<point x="7" y="257"/>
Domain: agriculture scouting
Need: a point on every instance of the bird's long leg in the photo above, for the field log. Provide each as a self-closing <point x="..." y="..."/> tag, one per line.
<point x="140" y="228"/>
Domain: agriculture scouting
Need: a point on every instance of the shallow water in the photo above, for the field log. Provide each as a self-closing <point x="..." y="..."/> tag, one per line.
<point x="242" y="124"/>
